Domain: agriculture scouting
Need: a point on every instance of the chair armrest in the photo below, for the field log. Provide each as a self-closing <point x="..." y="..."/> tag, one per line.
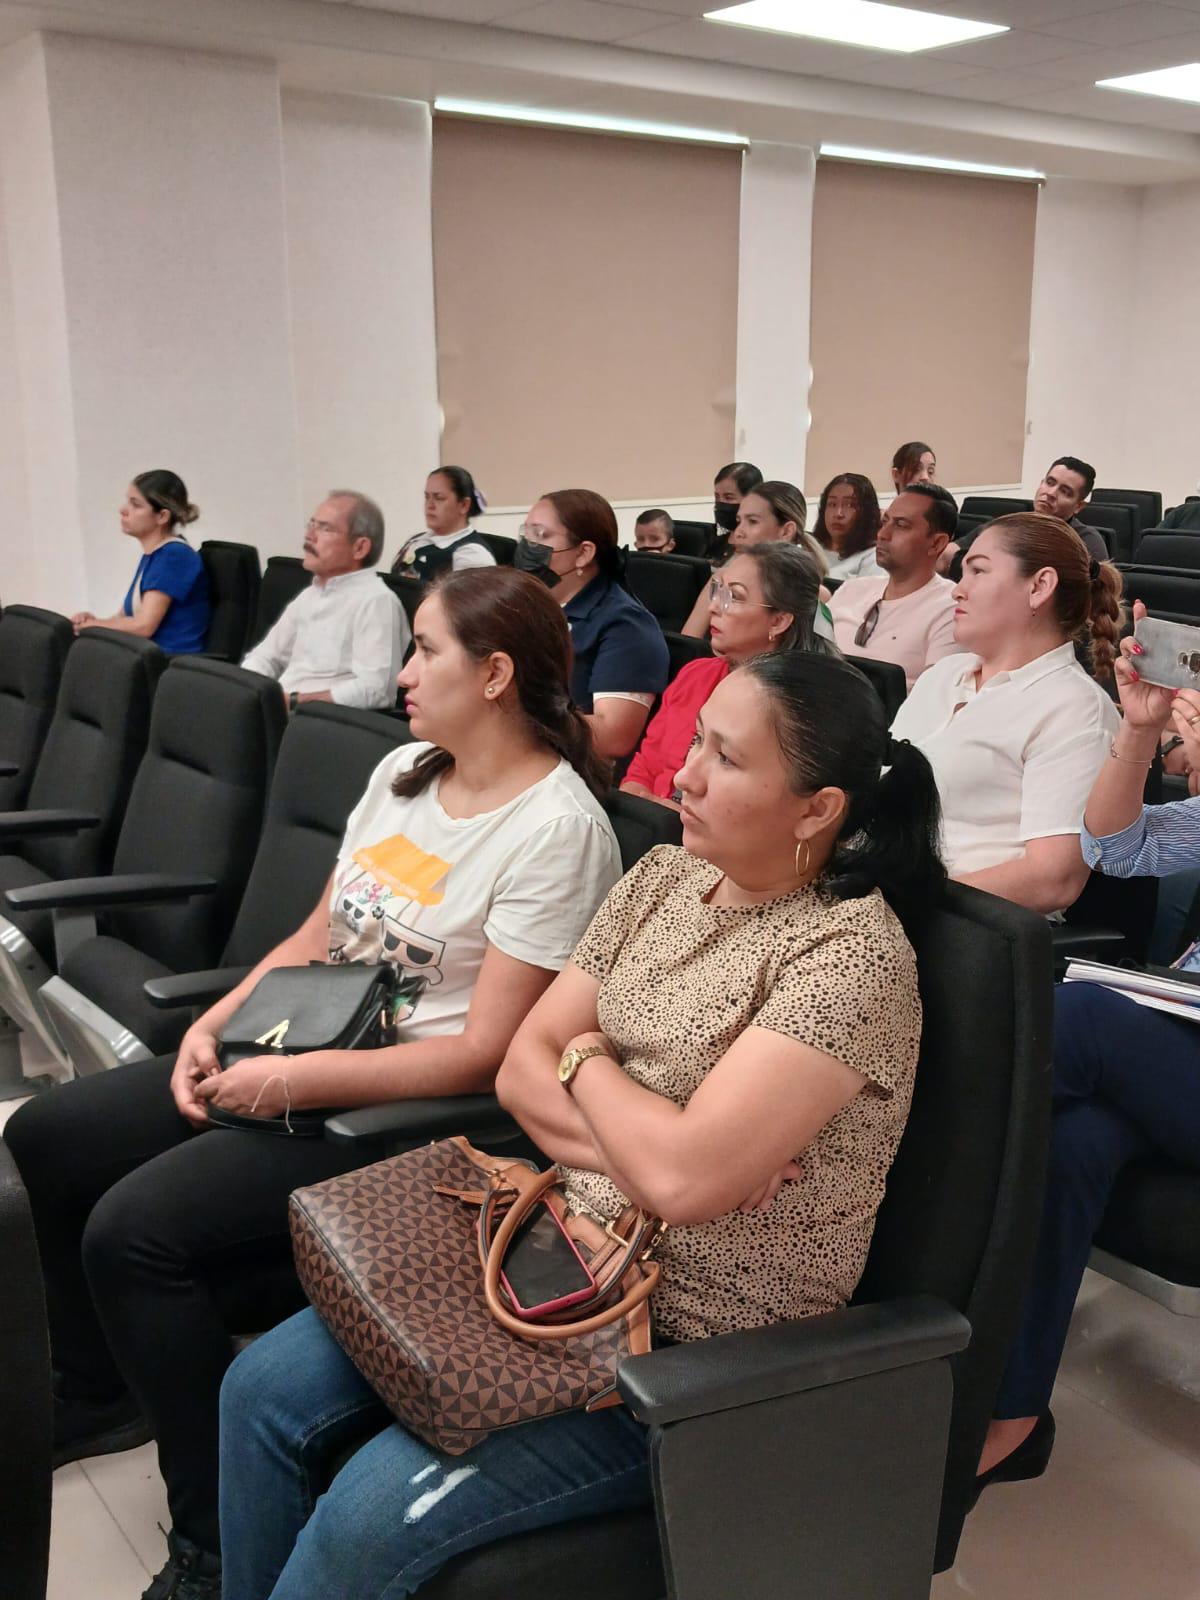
<point x="190" y="988"/>
<point x="28" y="824"/>
<point x="8" y="769"/>
<point x="745" y="1368"/>
<point x="93" y="894"/>
<point x="419" y="1120"/>
<point x="1067" y="940"/>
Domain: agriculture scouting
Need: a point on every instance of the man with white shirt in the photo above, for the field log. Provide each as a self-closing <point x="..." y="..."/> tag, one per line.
<point x="907" y="615"/>
<point x="342" y="639"/>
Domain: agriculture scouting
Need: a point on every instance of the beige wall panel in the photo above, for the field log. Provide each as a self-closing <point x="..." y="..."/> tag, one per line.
<point x="586" y="309"/>
<point x="921" y="292"/>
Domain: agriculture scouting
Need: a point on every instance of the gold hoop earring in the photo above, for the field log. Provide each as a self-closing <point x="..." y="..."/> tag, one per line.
<point x="802" y="871"/>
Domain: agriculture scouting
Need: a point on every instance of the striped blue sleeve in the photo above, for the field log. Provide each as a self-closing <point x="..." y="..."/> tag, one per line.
<point x="1164" y="839"/>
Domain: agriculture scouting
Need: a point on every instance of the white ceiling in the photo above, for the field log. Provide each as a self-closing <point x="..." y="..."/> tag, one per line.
<point x="1048" y="62"/>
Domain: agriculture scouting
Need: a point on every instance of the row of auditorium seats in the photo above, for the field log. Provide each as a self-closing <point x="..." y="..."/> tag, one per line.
<point x="926" y="1335"/>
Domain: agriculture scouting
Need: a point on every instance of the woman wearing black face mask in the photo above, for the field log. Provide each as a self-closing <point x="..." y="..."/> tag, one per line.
<point x="730" y="487"/>
<point x="569" y="541"/>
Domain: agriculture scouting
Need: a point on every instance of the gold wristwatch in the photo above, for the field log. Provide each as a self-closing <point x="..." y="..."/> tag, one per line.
<point x="573" y="1060"/>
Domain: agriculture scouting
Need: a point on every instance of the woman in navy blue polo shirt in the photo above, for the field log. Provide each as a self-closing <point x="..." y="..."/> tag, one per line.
<point x="569" y="541"/>
<point x="168" y="598"/>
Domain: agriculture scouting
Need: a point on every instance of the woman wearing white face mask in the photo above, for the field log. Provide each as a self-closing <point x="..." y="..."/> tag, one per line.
<point x="1016" y="731"/>
<point x="569" y="541"/>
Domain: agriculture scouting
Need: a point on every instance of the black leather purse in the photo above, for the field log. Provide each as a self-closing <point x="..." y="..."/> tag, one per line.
<point x="297" y="1009"/>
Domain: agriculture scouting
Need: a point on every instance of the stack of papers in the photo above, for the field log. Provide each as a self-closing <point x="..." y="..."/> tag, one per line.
<point x="1176" y="996"/>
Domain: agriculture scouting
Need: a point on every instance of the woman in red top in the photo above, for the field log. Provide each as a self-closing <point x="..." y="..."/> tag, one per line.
<point x="764" y="599"/>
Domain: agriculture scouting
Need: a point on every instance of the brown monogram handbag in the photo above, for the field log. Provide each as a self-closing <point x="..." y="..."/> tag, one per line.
<point x="403" y="1262"/>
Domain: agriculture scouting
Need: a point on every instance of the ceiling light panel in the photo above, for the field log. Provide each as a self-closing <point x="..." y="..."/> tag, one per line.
<point x="1168" y="83"/>
<point x="856" y="22"/>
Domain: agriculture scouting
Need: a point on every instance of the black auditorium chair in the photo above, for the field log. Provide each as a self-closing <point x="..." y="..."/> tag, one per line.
<point x="284" y="577"/>
<point x="1168" y="592"/>
<point x="1117" y="524"/>
<point x="33" y="651"/>
<point x="1147" y="502"/>
<point x="886" y="678"/>
<point x="183" y="855"/>
<point x="77" y="800"/>
<point x="1165" y="549"/>
<point x="992" y="505"/>
<point x="969" y="524"/>
<point x="325" y="761"/>
<point x="234" y="578"/>
<point x="666" y="585"/>
<point x="502" y="547"/>
<point x="835" y="1456"/>
<point x="1149" y="1238"/>
<point x="682" y="648"/>
<point x="409" y="591"/>
<point x="25" y="1402"/>
<point x="694" y="538"/>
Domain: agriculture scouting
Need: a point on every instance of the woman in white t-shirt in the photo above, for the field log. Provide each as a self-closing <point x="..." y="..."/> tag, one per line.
<point x="473" y="862"/>
<point x="1017" y="730"/>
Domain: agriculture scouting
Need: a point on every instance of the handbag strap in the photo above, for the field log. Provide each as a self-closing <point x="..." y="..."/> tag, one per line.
<point x="498" y="1249"/>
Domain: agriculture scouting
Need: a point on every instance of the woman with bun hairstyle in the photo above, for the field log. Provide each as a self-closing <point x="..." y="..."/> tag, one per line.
<point x="1016" y="730"/>
<point x="449" y="543"/>
<point x="168" y="598"/>
<point x="913" y="462"/>
<point x="847" y="522"/>
<point x="569" y="542"/>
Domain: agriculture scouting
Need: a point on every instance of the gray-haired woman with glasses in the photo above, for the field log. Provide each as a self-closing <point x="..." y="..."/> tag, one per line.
<point x="764" y="599"/>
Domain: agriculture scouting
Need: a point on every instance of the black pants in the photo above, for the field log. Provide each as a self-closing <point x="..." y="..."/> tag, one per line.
<point x="159" y="1243"/>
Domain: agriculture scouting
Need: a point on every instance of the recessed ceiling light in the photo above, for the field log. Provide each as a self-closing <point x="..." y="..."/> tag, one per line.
<point x="1169" y="83"/>
<point x="896" y="158"/>
<point x="861" y="22"/>
<point x="584" y="119"/>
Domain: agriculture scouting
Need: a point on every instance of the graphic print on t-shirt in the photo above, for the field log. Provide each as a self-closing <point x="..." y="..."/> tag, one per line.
<point x="378" y="898"/>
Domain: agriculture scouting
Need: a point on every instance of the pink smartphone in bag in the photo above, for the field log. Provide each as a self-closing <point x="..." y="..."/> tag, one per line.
<point x="543" y="1271"/>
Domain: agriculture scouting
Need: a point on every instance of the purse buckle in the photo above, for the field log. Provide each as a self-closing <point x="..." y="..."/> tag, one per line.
<point x="274" y="1037"/>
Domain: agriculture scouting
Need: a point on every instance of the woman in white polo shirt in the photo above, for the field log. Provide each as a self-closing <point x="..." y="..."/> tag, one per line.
<point x="1016" y="730"/>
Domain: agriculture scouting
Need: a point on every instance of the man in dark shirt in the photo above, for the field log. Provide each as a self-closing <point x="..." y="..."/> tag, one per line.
<point x="1063" y="493"/>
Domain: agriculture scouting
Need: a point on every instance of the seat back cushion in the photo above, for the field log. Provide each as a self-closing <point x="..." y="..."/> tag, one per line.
<point x="284" y="578"/>
<point x="33" y="652"/>
<point x="640" y="824"/>
<point x="233" y="583"/>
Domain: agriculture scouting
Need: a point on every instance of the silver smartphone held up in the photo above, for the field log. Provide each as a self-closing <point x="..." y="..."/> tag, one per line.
<point x="1171" y="653"/>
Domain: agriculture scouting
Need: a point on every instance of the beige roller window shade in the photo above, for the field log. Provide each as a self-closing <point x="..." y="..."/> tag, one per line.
<point x="921" y="289"/>
<point x="586" y="309"/>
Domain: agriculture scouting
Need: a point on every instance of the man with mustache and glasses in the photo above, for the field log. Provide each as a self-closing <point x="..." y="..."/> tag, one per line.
<point x="344" y="638"/>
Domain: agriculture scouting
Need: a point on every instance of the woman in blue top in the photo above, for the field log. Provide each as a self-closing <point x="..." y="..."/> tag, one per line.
<point x="1126" y="1079"/>
<point x="569" y="541"/>
<point x="168" y="598"/>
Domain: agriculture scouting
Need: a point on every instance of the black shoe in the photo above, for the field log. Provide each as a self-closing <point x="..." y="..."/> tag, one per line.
<point x="1029" y="1460"/>
<point x="85" y="1428"/>
<point x="190" y="1573"/>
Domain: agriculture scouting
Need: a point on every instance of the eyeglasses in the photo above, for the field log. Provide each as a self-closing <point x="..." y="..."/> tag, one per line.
<point x="868" y="625"/>
<point x="313" y="526"/>
<point x="536" y="534"/>
<point x="723" y="598"/>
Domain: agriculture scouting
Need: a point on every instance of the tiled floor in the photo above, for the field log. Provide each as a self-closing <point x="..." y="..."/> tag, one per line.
<point x="1117" y="1516"/>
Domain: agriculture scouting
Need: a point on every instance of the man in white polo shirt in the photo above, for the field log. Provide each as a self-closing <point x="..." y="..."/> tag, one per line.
<point x="906" y="616"/>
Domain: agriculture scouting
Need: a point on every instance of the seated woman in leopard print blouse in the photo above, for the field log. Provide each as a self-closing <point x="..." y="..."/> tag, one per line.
<point x="752" y="1000"/>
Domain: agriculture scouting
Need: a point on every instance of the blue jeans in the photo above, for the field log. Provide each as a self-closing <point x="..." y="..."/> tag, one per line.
<point x="398" y="1510"/>
<point x="1126" y="1084"/>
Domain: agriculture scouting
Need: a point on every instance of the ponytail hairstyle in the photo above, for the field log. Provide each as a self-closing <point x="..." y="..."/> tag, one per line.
<point x="166" y="491"/>
<point x="498" y="609"/>
<point x="787" y="504"/>
<point x="463" y="486"/>
<point x="790" y="582"/>
<point x="832" y="732"/>
<point x="587" y="515"/>
<point x="866" y="524"/>
<point x="1087" y="599"/>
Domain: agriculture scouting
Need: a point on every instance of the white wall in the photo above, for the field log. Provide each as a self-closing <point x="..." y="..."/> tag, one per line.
<point x="1163" y="384"/>
<point x="1086" y="250"/>
<point x="360" y="260"/>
